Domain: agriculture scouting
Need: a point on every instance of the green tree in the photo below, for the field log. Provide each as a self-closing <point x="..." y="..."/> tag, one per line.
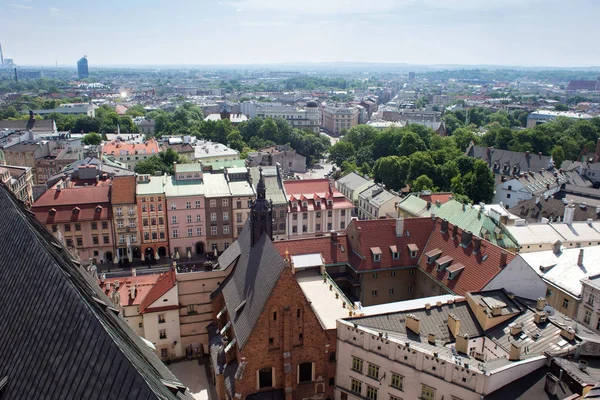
<point x="423" y="182"/>
<point x="235" y="141"/>
<point x="341" y="151"/>
<point x="410" y="143"/>
<point x="463" y="137"/>
<point x="558" y="155"/>
<point x="561" y="107"/>
<point x="392" y="171"/>
<point x="479" y="184"/>
<point x="92" y="138"/>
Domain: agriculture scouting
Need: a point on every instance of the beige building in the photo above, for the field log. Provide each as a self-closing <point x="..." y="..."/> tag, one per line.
<point x="463" y="349"/>
<point x="589" y="309"/>
<point x="336" y="118"/>
<point x="375" y="202"/>
<point x="19" y="180"/>
<point x="26" y="154"/>
<point x="242" y="195"/>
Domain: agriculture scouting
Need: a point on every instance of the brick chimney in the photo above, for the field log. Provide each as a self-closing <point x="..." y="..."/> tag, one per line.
<point x="515" y="352"/>
<point x="503" y="259"/>
<point x="444" y="225"/>
<point x="413" y="323"/>
<point x="476" y="244"/>
<point x="453" y="324"/>
<point x="462" y="343"/>
<point x="399" y="226"/>
<point x="541" y="303"/>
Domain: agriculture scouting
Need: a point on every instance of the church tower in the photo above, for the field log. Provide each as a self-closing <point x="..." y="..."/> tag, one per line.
<point x="261" y="214"/>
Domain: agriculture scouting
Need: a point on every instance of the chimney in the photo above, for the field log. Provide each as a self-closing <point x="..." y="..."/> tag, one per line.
<point x="516" y="328"/>
<point x="527" y="154"/>
<point x="444" y="225"/>
<point x="413" y="323"/>
<point x="399" y="226"/>
<point x="580" y="258"/>
<point x="541" y="303"/>
<point x="133" y="272"/>
<point x="556" y="247"/>
<point x="568" y="333"/>
<point x="334" y="236"/>
<point x="537" y="199"/>
<point x="431" y="338"/>
<point x="551" y="385"/>
<point x="428" y="205"/>
<point x="503" y="259"/>
<point x="454" y="231"/>
<point x="462" y="343"/>
<point x="476" y="245"/>
<point x="583" y="364"/>
<point x="496" y="310"/>
<point x="466" y="238"/>
<point x="515" y="351"/>
<point x="453" y="324"/>
<point x="539" y="318"/>
<point x="133" y="291"/>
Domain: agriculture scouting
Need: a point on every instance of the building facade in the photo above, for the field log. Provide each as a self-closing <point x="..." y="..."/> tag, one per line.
<point x="219" y="213"/>
<point x="300" y="118"/>
<point x="375" y="202"/>
<point x="336" y="118"/>
<point x="19" y="180"/>
<point x="151" y="203"/>
<point x="125" y="219"/>
<point x="130" y="153"/>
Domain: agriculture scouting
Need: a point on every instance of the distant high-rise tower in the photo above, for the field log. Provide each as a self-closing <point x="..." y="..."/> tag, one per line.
<point x="1" y="57"/>
<point x="82" y="68"/>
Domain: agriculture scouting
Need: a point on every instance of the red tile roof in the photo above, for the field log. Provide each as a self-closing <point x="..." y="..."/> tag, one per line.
<point x="364" y="235"/>
<point x="75" y="196"/>
<point x="56" y="206"/>
<point x="479" y="269"/>
<point x="149" y="148"/>
<point x="311" y="190"/>
<point x="123" y="190"/>
<point x="59" y="214"/>
<point x="331" y="252"/>
<point x="143" y="285"/>
<point x="164" y="283"/>
<point x="433" y="197"/>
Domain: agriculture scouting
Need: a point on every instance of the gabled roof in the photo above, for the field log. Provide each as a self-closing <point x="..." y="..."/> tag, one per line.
<point x="165" y="282"/>
<point x="479" y="269"/>
<point x="533" y="210"/>
<point x="249" y="285"/>
<point x="54" y="309"/>
<point x="497" y="159"/>
<point x="364" y="235"/>
<point x="333" y="252"/>
<point x="583" y="85"/>
<point x="353" y="181"/>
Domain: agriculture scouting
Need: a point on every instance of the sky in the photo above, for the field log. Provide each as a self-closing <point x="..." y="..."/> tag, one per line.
<point x="205" y="32"/>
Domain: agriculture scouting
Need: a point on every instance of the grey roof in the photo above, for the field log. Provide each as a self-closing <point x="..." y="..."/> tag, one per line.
<point x="586" y="191"/>
<point x="215" y="185"/>
<point x="530" y="387"/>
<point x="275" y="188"/>
<point x="352" y="181"/>
<point x="73" y="169"/>
<point x="256" y="272"/>
<point x="434" y="320"/>
<point x="39" y="125"/>
<point x="533" y="162"/>
<point x="553" y="209"/>
<point x="60" y="338"/>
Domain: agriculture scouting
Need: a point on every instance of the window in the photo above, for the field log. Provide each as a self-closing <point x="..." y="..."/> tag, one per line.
<point x="374" y="293"/>
<point x="198" y="218"/>
<point x="95" y="240"/>
<point x="214" y="247"/>
<point x="305" y="372"/>
<point x="154" y="236"/>
<point x="225" y="216"/>
<point x="164" y="353"/>
<point x="238" y="204"/>
<point x="188" y="204"/>
<point x="397" y="381"/>
<point x="173" y="206"/>
<point x="104" y="224"/>
<point x="188" y="219"/>
<point x="343" y="225"/>
<point x="54" y="228"/>
<point x="79" y="242"/>
<point x="119" y="211"/>
<point x="329" y="227"/>
<point x="105" y="239"/>
<point x="94" y="226"/>
<point x="427" y="393"/>
<point x="132" y="223"/>
<point x="145" y="221"/>
<point x="67" y="227"/>
<point x="69" y="242"/>
<point x="392" y="397"/>
<point x="356" y="386"/>
<point x="294" y="229"/>
<point x="375" y="275"/>
<point x="225" y="229"/>
<point x="238" y="218"/>
<point x="318" y="214"/>
<point x="373" y="371"/>
<point x="591" y="299"/>
<point x="77" y="227"/>
<point x="121" y="239"/>
<point x="191" y="309"/>
<point x="329" y="213"/>
<point x="175" y="233"/>
<point x="162" y="334"/>
<point x="198" y="231"/>
<point x="565" y="303"/>
<point x="213" y="203"/>
<point x="357" y="364"/>
<point x="413" y="254"/>
<point x="133" y="238"/>
<point x="153" y="221"/>
<point x="391" y="291"/>
<point x="294" y="217"/>
<point x="173" y="219"/>
<point x="588" y="317"/>
<point x="213" y="230"/>
<point x="131" y="211"/>
<point x="160" y="207"/>
<point x="508" y="195"/>
<point x="190" y="232"/>
<point x="197" y="203"/>
<point x="144" y="208"/>
<point x="225" y="202"/>
<point x="371" y="393"/>
<point x="376" y="258"/>
<point x="152" y="208"/>
<point x="146" y="235"/>
<point x="213" y="217"/>
<point x="318" y="227"/>
<point x="392" y="273"/>
<point x="161" y="318"/>
<point x="140" y="325"/>
<point x="265" y="378"/>
<point x="281" y="213"/>
<point x="120" y="224"/>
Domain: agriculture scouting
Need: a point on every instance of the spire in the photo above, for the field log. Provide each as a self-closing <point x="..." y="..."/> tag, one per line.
<point x="261" y="190"/>
<point x="261" y="214"/>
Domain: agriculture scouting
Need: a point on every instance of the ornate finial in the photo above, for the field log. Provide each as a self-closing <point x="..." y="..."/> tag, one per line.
<point x="287" y="254"/>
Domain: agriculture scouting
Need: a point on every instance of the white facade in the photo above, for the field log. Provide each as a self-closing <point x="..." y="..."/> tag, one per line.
<point x="513" y="191"/>
<point x="375" y="202"/>
<point x="517" y="277"/>
<point x="71" y="109"/>
<point x="301" y="118"/>
<point x="161" y="327"/>
<point x="588" y="312"/>
<point x="311" y="223"/>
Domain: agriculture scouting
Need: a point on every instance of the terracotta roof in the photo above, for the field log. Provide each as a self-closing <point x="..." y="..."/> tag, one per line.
<point x="363" y="235"/>
<point x="311" y="191"/>
<point x="131" y="148"/>
<point x="331" y="253"/>
<point x="164" y="283"/>
<point x="85" y="212"/>
<point x="78" y="196"/>
<point x="433" y="197"/>
<point x="123" y="190"/>
<point x="143" y="285"/>
<point x="479" y="269"/>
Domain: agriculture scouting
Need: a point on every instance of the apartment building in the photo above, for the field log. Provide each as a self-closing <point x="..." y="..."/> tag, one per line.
<point x="46" y="167"/>
<point x="81" y="217"/>
<point x="125" y="218"/>
<point x="282" y="155"/>
<point x="151" y="203"/>
<point x="307" y="118"/>
<point x="242" y="196"/>
<point x="219" y="213"/>
<point x="353" y="184"/>
<point x="465" y="349"/>
<point x="315" y="207"/>
<point x="19" y="180"/>
<point x="336" y="117"/>
<point x="130" y="153"/>
<point x="86" y="109"/>
<point x="589" y="309"/>
<point x="186" y="211"/>
<point x="376" y="202"/>
<point x="25" y="154"/>
<point x="210" y="152"/>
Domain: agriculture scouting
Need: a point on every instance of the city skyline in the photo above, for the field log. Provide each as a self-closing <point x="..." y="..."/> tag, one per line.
<point x="246" y="32"/>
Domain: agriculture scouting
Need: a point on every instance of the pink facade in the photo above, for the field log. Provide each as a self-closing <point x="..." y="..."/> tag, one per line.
<point x="187" y="225"/>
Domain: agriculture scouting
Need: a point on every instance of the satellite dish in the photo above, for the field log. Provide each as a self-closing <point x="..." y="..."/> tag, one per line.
<point x="549" y="310"/>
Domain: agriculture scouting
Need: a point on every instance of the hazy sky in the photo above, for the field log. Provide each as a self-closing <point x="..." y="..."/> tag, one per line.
<point x="111" y="32"/>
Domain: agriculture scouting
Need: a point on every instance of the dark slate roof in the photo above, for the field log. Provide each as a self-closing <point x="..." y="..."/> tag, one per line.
<point x="553" y="209"/>
<point x="583" y="85"/>
<point x="254" y="277"/>
<point x="434" y="320"/>
<point x="60" y="340"/>
<point x="500" y="158"/>
<point x="530" y="387"/>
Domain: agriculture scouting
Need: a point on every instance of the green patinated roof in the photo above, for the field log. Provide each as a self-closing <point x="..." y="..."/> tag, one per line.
<point x="220" y="165"/>
<point x="414" y="205"/>
<point x="175" y="188"/>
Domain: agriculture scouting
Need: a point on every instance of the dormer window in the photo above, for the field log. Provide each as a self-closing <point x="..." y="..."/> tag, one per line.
<point x="318" y="203"/>
<point x="52" y="211"/>
<point x="376" y="251"/>
<point x="414" y="250"/>
<point x="329" y="202"/>
<point x="515" y="169"/>
<point x="98" y="209"/>
<point x="433" y="255"/>
<point x="395" y="252"/>
<point x="294" y="205"/>
<point x="495" y="165"/>
<point x="505" y="168"/>
<point x="443" y="262"/>
<point x="76" y="210"/>
<point x="454" y="270"/>
<point x="304" y="204"/>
